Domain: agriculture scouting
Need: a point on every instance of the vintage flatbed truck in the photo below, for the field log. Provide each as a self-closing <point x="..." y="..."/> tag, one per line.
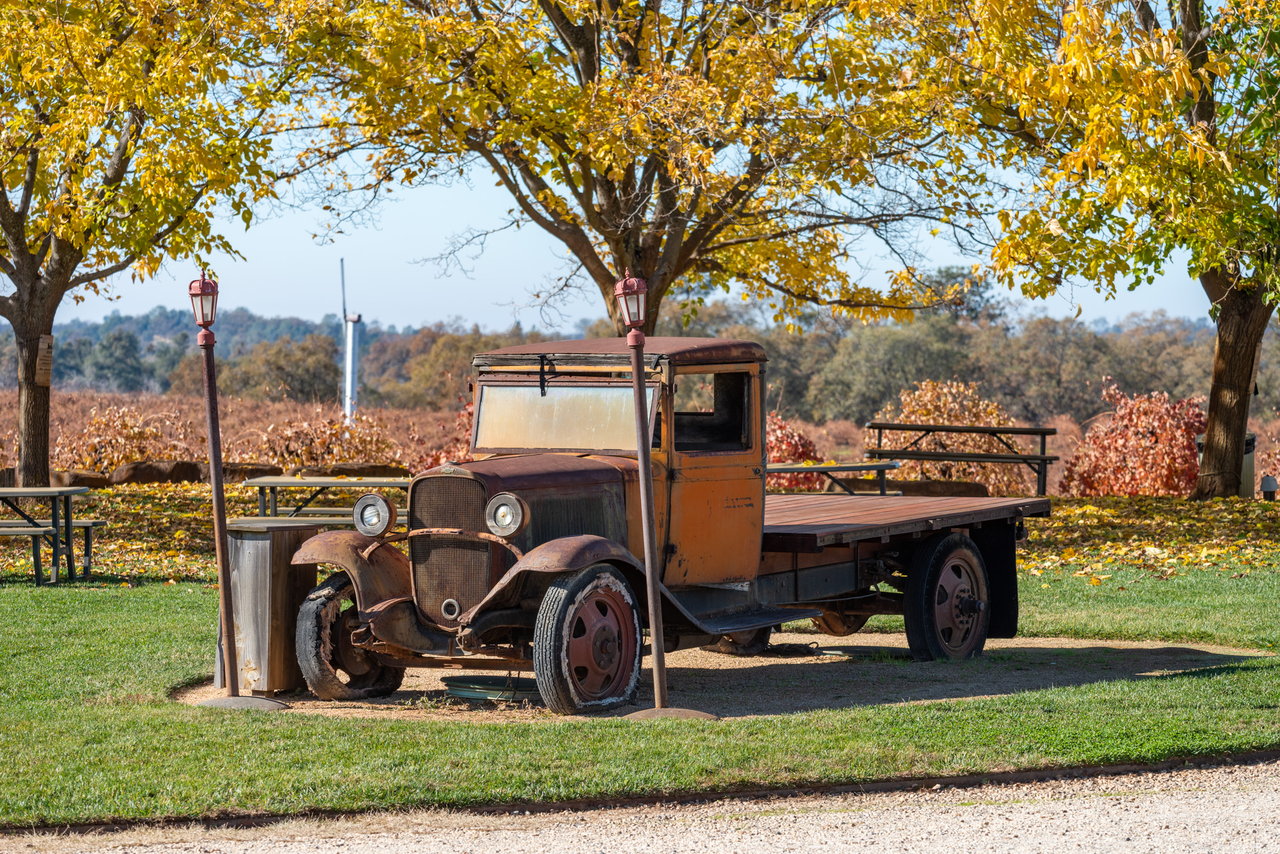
<point x="526" y="557"/>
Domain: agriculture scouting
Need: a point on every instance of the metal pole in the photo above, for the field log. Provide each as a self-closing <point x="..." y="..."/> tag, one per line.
<point x="635" y="340"/>
<point x="352" y="368"/>
<point x="351" y="358"/>
<point x="205" y="340"/>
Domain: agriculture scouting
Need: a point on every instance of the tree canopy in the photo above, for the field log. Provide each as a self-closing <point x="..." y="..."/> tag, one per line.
<point x="696" y="144"/>
<point x="1130" y="132"/>
<point x="126" y="128"/>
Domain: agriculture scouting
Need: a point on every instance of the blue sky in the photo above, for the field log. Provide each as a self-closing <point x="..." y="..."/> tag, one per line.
<point x="287" y="272"/>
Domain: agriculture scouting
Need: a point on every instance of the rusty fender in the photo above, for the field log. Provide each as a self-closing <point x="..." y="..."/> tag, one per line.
<point x="378" y="571"/>
<point x="558" y="557"/>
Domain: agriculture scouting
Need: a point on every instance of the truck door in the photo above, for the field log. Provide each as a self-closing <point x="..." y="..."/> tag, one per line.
<point x="717" y="484"/>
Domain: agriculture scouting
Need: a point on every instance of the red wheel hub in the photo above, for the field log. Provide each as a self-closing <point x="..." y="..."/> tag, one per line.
<point x="601" y="643"/>
<point x="956" y="608"/>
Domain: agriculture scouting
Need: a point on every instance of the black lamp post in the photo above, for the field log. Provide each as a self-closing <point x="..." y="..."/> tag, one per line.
<point x="204" y="305"/>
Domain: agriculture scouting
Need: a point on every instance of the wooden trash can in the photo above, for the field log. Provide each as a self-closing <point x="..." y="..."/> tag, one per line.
<point x="267" y="591"/>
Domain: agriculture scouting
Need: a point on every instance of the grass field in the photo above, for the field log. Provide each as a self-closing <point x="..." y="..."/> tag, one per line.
<point x="87" y="731"/>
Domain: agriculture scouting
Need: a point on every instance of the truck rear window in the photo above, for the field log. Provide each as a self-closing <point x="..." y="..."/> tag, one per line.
<point x="577" y="417"/>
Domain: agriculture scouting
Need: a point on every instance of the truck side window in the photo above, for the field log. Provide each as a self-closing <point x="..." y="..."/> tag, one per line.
<point x="711" y="412"/>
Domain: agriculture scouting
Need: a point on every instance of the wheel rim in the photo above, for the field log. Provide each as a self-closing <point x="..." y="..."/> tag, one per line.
<point x="601" y="644"/>
<point x="958" y="603"/>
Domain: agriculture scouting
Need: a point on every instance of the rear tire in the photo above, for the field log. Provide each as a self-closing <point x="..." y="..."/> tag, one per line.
<point x="748" y="643"/>
<point x="840" y="625"/>
<point x="947" y="606"/>
<point x="333" y="667"/>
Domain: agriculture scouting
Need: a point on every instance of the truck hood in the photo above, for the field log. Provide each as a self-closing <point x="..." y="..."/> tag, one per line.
<point x="522" y="472"/>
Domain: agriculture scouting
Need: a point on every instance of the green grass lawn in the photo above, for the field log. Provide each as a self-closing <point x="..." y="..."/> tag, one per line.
<point x="87" y="732"/>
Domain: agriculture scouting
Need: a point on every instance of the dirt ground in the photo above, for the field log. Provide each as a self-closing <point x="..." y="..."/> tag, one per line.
<point x="803" y="672"/>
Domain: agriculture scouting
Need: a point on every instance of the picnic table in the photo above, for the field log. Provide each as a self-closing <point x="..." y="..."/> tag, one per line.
<point x="1038" y="463"/>
<point x="312" y="487"/>
<point x="56" y="529"/>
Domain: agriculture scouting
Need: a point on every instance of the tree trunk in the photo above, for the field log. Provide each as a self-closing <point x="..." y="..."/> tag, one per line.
<point x="33" y="414"/>
<point x="1243" y="314"/>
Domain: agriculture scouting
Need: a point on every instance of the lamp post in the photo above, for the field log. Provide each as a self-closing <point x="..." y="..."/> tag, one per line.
<point x="631" y="293"/>
<point x="204" y="305"/>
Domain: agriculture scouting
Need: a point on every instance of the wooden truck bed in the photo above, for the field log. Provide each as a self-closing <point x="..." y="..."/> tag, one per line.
<point x="808" y="523"/>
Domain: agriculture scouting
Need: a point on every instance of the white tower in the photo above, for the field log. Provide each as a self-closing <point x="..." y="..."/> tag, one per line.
<point x="351" y="373"/>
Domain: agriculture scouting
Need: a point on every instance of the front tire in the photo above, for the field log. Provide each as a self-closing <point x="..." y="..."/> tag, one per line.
<point x="334" y="668"/>
<point x="947" y="606"/>
<point x="586" y="644"/>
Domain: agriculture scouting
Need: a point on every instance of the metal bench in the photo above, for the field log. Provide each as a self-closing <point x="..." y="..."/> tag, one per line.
<point x="11" y="527"/>
<point x="36" y="534"/>
<point x="1038" y="463"/>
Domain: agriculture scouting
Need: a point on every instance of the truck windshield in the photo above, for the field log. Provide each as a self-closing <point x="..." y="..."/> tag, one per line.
<point x="577" y="417"/>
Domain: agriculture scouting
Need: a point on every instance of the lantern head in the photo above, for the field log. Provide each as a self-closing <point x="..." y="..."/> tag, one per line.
<point x="631" y="292"/>
<point x="204" y="300"/>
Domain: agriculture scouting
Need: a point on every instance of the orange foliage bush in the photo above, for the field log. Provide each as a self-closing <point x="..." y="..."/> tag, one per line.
<point x="787" y="444"/>
<point x="955" y="403"/>
<point x="1147" y="447"/>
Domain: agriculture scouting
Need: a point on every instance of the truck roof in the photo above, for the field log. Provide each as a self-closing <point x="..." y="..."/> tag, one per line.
<point x="678" y="351"/>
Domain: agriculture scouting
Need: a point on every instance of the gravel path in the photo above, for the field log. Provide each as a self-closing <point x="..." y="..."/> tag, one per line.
<point x="1226" y="809"/>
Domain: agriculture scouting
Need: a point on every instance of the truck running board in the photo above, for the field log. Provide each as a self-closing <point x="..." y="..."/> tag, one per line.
<point x="741" y="621"/>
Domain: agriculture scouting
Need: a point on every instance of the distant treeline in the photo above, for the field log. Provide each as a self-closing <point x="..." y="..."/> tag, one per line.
<point x="822" y="369"/>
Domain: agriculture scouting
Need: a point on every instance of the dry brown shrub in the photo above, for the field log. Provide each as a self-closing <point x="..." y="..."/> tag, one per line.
<point x="116" y="435"/>
<point x="448" y="442"/>
<point x="958" y="404"/>
<point x="318" y="439"/>
<point x="1146" y="447"/>
<point x="100" y="431"/>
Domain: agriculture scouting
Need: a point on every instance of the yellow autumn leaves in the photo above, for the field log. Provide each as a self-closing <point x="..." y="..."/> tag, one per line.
<point x="1111" y="539"/>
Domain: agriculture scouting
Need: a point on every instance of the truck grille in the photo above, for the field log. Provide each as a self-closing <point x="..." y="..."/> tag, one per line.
<point x="445" y="567"/>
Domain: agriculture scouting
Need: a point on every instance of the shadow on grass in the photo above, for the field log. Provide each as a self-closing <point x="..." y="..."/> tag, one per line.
<point x="796" y="677"/>
<point x="873" y="675"/>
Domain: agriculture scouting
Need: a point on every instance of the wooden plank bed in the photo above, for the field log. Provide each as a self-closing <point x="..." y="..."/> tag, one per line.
<point x="808" y="523"/>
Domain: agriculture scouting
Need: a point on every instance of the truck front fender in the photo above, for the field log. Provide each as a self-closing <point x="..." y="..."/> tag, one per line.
<point x="558" y="557"/>
<point x="379" y="571"/>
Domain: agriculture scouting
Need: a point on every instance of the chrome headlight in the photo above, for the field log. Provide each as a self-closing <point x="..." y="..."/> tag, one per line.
<point x="374" y="515"/>
<point x="506" y="514"/>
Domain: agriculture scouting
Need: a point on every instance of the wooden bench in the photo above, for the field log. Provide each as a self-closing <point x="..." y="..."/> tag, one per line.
<point x="1038" y="463"/>
<point x="13" y="527"/>
<point x="20" y="529"/>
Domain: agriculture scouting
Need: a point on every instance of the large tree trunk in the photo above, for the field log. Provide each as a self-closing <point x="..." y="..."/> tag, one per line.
<point x="33" y="415"/>
<point x="1243" y="313"/>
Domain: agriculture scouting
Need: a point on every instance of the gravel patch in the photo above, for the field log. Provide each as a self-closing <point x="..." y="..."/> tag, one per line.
<point x="1222" y="809"/>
